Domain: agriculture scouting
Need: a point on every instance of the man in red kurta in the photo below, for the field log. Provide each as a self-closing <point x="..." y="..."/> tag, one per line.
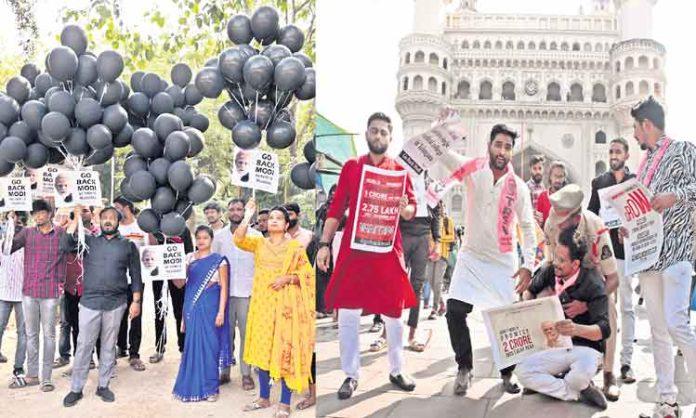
<point x="362" y="280"/>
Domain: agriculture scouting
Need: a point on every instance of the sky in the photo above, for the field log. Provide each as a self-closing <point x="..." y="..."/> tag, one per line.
<point x="358" y="56"/>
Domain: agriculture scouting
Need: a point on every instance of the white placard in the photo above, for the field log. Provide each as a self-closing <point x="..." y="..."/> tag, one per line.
<point x="47" y="177"/>
<point x="607" y="212"/>
<point x="424" y="150"/>
<point x="71" y="188"/>
<point x="643" y="246"/>
<point x="162" y="262"/>
<point x="419" y="190"/>
<point x="256" y="169"/>
<point x="519" y="330"/>
<point x="15" y="194"/>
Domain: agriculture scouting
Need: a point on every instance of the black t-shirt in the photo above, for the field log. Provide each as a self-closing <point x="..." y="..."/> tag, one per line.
<point x="588" y="288"/>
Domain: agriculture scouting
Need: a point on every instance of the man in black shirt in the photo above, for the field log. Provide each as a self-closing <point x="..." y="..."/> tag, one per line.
<point x="570" y="281"/>
<point x="619" y="173"/>
<point x="104" y="298"/>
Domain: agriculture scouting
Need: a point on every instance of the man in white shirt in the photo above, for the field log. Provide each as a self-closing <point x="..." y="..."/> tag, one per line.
<point x="487" y="264"/>
<point x="241" y="280"/>
<point x="11" y="280"/>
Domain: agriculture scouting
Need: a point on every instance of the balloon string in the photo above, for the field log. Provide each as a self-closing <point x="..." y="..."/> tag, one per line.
<point x="241" y="94"/>
<point x="256" y="108"/>
<point x="235" y="99"/>
<point x="187" y="208"/>
<point x="103" y="93"/>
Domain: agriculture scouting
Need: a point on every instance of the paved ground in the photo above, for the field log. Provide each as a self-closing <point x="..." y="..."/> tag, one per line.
<point x="435" y="369"/>
<point x="138" y="394"/>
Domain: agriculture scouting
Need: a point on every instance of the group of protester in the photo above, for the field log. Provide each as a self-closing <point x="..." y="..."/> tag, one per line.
<point x="250" y="275"/>
<point x="497" y="264"/>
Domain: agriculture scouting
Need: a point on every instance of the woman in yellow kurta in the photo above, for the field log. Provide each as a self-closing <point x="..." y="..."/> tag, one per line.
<point x="280" y="326"/>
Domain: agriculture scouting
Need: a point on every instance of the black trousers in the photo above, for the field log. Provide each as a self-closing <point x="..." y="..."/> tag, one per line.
<point x="415" y="257"/>
<point x="177" y="296"/>
<point x="71" y="306"/>
<point x="322" y="283"/>
<point x="130" y="338"/>
<point x="460" y="336"/>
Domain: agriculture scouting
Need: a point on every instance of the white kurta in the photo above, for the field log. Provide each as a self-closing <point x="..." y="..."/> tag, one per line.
<point x="483" y="274"/>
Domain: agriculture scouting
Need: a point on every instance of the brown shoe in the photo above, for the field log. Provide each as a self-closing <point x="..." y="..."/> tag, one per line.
<point x="247" y="383"/>
<point x="611" y="390"/>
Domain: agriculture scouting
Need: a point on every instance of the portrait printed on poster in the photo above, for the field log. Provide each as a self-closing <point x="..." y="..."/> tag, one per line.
<point x="162" y="262"/>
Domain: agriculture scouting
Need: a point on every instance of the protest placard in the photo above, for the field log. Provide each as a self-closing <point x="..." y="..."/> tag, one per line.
<point x="519" y="330"/>
<point x="162" y="262"/>
<point x="607" y="212"/>
<point x="256" y="169"/>
<point x="77" y="188"/>
<point x="15" y="194"/>
<point x="423" y="151"/>
<point x="377" y="211"/>
<point x="643" y="245"/>
<point x="47" y="176"/>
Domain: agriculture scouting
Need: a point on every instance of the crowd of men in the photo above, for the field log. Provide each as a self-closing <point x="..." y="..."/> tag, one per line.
<point x="94" y="296"/>
<point x="583" y="265"/>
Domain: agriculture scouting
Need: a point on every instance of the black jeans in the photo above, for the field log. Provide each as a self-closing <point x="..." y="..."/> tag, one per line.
<point x="460" y="337"/>
<point x="130" y="339"/>
<point x="71" y="305"/>
<point x="416" y="258"/>
<point x="177" y="296"/>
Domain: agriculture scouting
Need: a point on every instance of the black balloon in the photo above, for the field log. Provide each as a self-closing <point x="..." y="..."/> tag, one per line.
<point x="239" y="29"/>
<point x="142" y="184"/>
<point x="163" y="200"/>
<point x="181" y="75"/>
<point x="62" y="63"/>
<point x="281" y="98"/>
<point x="177" y="95"/>
<point x="202" y="189"/>
<point x="247" y="49"/>
<point x="258" y="72"/>
<point x="180" y="176"/>
<point x="76" y="143"/>
<point x="30" y="72"/>
<point x="264" y="24"/>
<point x="292" y="37"/>
<point x="176" y="146"/>
<point x="62" y="102"/>
<point x="192" y="95"/>
<point x="230" y="113"/>
<point x="310" y="152"/>
<point x="246" y="134"/>
<point x="18" y="88"/>
<point x="55" y="126"/>
<point x="133" y="164"/>
<point x="151" y="84"/>
<point x="196" y="139"/>
<point x="43" y="82"/>
<point x="289" y="74"/>
<point x="139" y="104"/>
<point x="261" y="113"/>
<point x="200" y="122"/>
<point x="210" y="82"/>
<point x="115" y="118"/>
<point x="86" y="70"/>
<point x="6" y="167"/>
<point x="123" y="138"/>
<point x="172" y="224"/>
<point x="126" y="192"/>
<point x="88" y="112"/>
<point x="110" y="93"/>
<point x="75" y="38"/>
<point x="162" y="103"/>
<point x="304" y="58"/>
<point x="12" y="149"/>
<point x="231" y="64"/>
<point x="136" y="81"/>
<point x="301" y="176"/>
<point x="9" y="110"/>
<point x="166" y="124"/>
<point x="21" y="130"/>
<point x="109" y="65"/>
<point x="159" y="168"/>
<point x="184" y="208"/>
<point x="309" y="87"/>
<point x="36" y="156"/>
<point x="146" y="144"/>
<point x="280" y="134"/>
<point x="98" y="136"/>
<point x="277" y="52"/>
<point x="148" y="221"/>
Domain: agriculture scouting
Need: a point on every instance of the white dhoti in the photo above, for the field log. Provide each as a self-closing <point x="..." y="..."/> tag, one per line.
<point x="483" y="283"/>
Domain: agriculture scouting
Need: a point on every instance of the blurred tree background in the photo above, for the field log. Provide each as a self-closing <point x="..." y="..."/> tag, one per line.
<point x="164" y="33"/>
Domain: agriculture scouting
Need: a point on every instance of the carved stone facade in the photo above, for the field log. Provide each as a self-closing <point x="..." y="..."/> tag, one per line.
<point x="565" y="83"/>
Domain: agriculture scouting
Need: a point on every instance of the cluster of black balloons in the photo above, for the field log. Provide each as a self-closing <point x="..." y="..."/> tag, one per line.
<point x="153" y="96"/>
<point x="157" y="171"/>
<point x="304" y="174"/>
<point x="74" y="108"/>
<point x="260" y="83"/>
